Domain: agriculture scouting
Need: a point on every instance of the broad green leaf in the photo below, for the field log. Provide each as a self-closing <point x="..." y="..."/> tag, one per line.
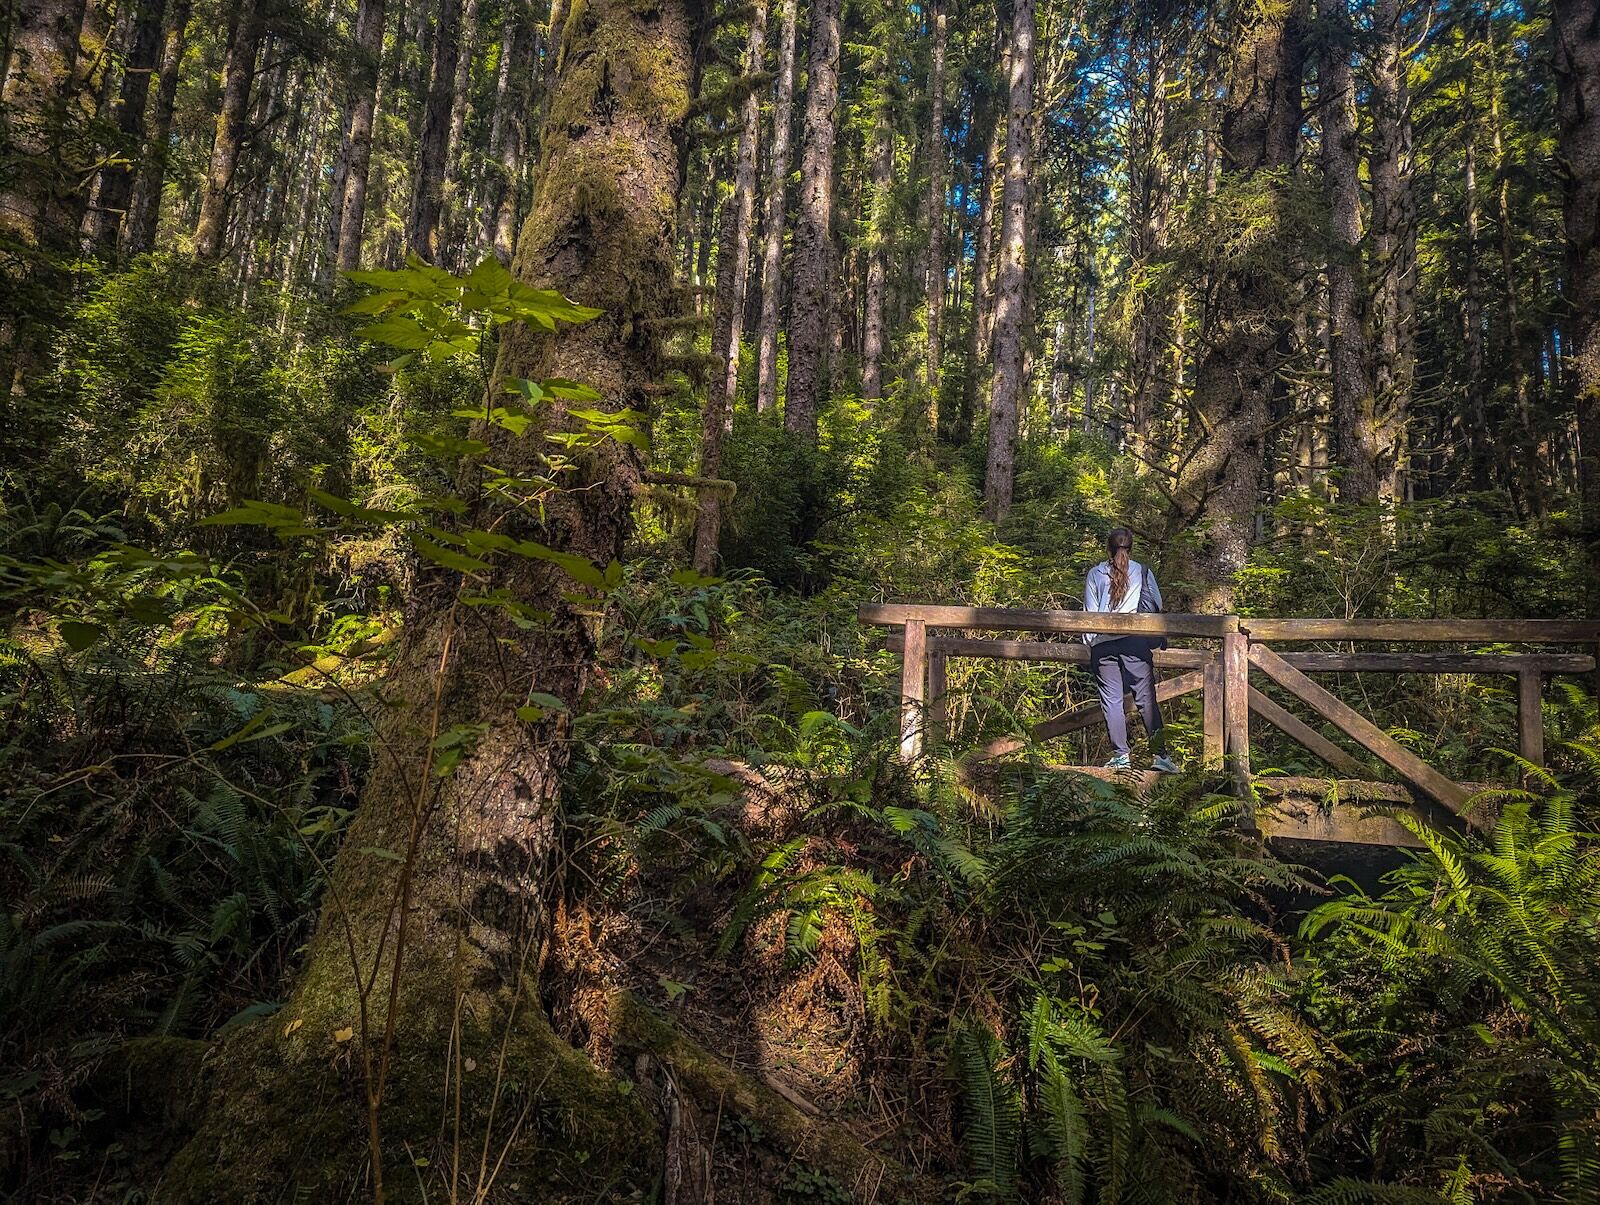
<point x="569" y="390"/>
<point x="489" y="277"/>
<point x="428" y="550"/>
<point x="80" y="636"/>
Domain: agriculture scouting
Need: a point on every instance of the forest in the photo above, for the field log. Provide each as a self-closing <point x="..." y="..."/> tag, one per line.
<point x="450" y="452"/>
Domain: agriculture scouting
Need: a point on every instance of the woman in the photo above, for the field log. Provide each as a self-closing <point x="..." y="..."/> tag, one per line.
<point x="1122" y="663"/>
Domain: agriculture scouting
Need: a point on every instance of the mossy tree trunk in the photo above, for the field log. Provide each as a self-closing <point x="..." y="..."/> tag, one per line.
<point x="453" y="872"/>
<point x="1360" y="435"/>
<point x="1577" y="40"/>
<point x="38" y="175"/>
<point x="238" y="78"/>
<point x="811" y="303"/>
<point x="1251" y="300"/>
<point x="776" y="215"/>
<point x="1009" y="386"/>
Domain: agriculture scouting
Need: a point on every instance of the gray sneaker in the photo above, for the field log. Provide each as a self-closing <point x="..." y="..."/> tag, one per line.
<point x="1119" y="762"/>
<point x="1164" y="765"/>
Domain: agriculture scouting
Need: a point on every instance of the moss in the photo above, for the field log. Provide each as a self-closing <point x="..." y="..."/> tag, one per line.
<point x="157" y="1080"/>
<point x="277" y="1124"/>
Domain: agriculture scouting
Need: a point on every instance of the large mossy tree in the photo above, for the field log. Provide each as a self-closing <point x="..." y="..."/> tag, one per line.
<point x="414" y="1034"/>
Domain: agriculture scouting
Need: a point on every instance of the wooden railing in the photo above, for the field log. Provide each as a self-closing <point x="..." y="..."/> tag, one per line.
<point x="1222" y="675"/>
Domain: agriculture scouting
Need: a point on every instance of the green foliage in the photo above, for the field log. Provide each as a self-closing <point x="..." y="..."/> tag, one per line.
<point x="1485" y="947"/>
<point x="166" y="837"/>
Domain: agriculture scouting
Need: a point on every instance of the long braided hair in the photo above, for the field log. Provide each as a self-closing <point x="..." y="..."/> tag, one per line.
<point x="1118" y="544"/>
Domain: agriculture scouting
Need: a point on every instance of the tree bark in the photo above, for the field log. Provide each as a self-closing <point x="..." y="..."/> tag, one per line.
<point x="1147" y="196"/>
<point x="427" y="196"/>
<point x="38" y="220"/>
<point x="811" y="301"/>
<point x="144" y="210"/>
<point x="506" y="129"/>
<point x="1393" y="247"/>
<point x="1219" y="485"/>
<point x="934" y="271"/>
<point x="238" y="77"/>
<point x="1478" y="439"/>
<point x="462" y="91"/>
<point x="1360" y="451"/>
<point x="116" y="178"/>
<point x="473" y="899"/>
<point x="1007" y="392"/>
<point x="987" y="126"/>
<point x="352" y="204"/>
<point x="775" y="216"/>
<point x="1577" y="42"/>
<point x="879" y="233"/>
<point x="728" y="325"/>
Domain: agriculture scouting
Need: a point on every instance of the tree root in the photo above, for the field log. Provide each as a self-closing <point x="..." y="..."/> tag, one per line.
<point x="718" y="1089"/>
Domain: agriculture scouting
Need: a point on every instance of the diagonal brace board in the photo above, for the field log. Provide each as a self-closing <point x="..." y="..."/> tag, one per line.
<point x="1356" y="726"/>
<point x="1081" y="716"/>
<point x="1291" y="724"/>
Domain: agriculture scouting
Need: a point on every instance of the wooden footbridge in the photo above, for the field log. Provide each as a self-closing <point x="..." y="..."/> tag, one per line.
<point x="1337" y="808"/>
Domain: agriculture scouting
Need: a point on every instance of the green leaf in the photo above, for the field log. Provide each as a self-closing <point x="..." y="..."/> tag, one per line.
<point x="255" y="729"/>
<point x="569" y="390"/>
<point x="80" y="636"/>
<point x="428" y="550"/>
<point x="376" y="303"/>
<point x="529" y="391"/>
<point x="513" y="422"/>
<point x="398" y="331"/>
<point x="690" y="579"/>
<point x="447" y="447"/>
<point x="256" y="514"/>
<point x="489" y="277"/>
<point x="352" y="510"/>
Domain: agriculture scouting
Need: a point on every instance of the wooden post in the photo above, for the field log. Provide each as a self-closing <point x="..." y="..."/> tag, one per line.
<point x="936" y="726"/>
<point x="1211" y="715"/>
<point x="913" y="688"/>
<point x="1530" y="716"/>
<point x="1236" y="705"/>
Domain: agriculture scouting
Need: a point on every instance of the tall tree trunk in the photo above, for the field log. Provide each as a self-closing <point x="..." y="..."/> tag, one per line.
<point x="728" y="323"/>
<point x="427" y="195"/>
<point x="456" y="168"/>
<point x="1360" y="453"/>
<point x="775" y="216"/>
<point x="506" y="130"/>
<point x="1147" y="231"/>
<point x="980" y="326"/>
<point x="1393" y="247"/>
<point x="38" y="221"/>
<point x="467" y="912"/>
<point x="1478" y="439"/>
<point x="144" y="209"/>
<point x="461" y="93"/>
<point x="1219" y="485"/>
<point x="879" y="233"/>
<point x="1007" y="393"/>
<point x="1577" y="39"/>
<point x="238" y="76"/>
<point x="934" y="271"/>
<point x="352" y="204"/>
<point x="116" y="178"/>
<point x="1519" y="341"/>
<point x="811" y="301"/>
